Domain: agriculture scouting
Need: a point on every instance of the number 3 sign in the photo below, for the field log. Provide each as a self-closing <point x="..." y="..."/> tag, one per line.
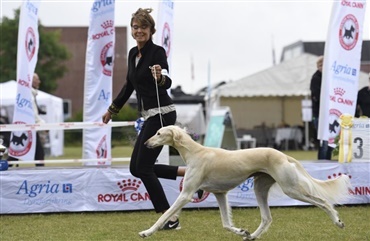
<point x="361" y="140"/>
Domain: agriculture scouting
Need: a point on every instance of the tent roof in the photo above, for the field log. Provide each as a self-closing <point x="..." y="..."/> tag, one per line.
<point x="289" y="78"/>
<point x="8" y="93"/>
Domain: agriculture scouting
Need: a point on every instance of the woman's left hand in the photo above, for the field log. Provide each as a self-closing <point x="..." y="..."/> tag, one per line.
<point x="156" y="72"/>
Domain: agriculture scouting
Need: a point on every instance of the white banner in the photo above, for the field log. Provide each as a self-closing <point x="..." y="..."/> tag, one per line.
<point x="164" y="34"/>
<point x="23" y="143"/>
<point x="76" y="189"/>
<point x="341" y="67"/>
<point x="98" y="80"/>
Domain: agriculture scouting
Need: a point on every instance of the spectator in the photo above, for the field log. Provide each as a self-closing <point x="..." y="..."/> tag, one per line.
<point x="325" y="151"/>
<point x="363" y="101"/>
<point x="39" y="153"/>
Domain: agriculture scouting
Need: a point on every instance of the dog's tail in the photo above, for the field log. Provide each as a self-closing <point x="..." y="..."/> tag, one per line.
<point x="335" y="191"/>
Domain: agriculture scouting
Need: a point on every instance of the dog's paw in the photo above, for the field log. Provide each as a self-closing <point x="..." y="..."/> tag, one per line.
<point x="144" y="234"/>
<point x="249" y="237"/>
<point x="340" y="224"/>
<point x="242" y="232"/>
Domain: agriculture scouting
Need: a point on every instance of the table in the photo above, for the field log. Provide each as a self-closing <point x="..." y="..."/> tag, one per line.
<point x="286" y="134"/>
<point x="246" y="140"/>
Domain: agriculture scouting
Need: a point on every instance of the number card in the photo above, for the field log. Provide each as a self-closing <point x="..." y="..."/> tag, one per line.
<point x="361" y="140"/>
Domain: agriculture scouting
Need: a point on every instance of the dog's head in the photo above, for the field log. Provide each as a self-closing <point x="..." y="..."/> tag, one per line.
<point x="168" y="135"/>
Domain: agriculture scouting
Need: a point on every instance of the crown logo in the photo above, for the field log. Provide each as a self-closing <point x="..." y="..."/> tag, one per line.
<point x="339" y="91"/>
<point x="336" y="175"/>
<point x="129" y="184"/>
<point x="107" y="24"/>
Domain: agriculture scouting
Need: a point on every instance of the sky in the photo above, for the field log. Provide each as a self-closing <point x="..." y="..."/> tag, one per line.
<point x="225" y="40"/>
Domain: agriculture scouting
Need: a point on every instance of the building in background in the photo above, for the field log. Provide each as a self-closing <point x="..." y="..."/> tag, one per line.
<point x="71" y="86"/>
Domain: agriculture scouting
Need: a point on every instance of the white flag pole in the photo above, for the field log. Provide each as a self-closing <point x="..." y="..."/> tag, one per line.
<point x="98" y="80"/>
<point x="23" y="143"/>
<point x="341" y="67"/>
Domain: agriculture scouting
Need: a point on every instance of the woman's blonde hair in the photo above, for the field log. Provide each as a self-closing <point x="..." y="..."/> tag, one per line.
<point x="143" y="17"/>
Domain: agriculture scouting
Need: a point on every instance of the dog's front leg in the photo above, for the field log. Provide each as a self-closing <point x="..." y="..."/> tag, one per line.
<point x="181" y="201"/>
<point x="226" y="215"/>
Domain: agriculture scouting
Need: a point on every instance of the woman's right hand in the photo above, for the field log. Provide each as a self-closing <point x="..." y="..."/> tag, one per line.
<point x="106" y="117"/>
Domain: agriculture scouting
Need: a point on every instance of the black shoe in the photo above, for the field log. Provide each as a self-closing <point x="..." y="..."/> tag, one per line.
<point x="172" y="225"/>
<point x="200" y="193"/>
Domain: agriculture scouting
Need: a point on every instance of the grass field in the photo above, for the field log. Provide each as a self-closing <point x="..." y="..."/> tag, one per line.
<point x="290" y="223"/>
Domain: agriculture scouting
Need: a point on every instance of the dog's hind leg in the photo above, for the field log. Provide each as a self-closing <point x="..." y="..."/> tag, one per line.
<point x="226" y="215"/>
<point x="318" y="202"/>
<point x="262" y="185"/>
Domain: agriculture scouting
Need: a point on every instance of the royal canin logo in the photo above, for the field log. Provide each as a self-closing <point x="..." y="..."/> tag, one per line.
<point x="357" y="190"/>
<point x="130" y="193"/>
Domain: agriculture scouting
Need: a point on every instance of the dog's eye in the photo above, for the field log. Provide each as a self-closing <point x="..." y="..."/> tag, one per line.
<point x="158" y="134"/>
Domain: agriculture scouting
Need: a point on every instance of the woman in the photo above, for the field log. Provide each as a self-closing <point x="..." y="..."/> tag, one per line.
<point x="145" y="64"/>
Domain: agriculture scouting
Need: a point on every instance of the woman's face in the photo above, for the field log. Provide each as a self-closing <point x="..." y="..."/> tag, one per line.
<point x="141" y="33"/>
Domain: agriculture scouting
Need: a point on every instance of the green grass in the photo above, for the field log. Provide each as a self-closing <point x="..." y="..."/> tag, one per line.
<point x="289" y="224"/>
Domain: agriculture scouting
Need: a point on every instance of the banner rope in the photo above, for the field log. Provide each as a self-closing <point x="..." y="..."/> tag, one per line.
<point x="64" y="126"/>
<point x="121" y="159"/>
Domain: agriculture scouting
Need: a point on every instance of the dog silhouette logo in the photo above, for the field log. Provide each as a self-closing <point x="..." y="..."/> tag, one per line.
<point x="349" y="32"/>
<point x="107" y="58"/>
<point x="166" y="39"/>
<point x="18" y="140"/>
<point x="30" y="43"/>
<point x="333" y="126"/>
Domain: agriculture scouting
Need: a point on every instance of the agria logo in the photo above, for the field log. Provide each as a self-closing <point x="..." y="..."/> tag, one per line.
<point x="33" y="190"/>
<point x="130" y="192"/>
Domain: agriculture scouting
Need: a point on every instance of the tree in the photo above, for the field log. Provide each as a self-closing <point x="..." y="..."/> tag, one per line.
<point x="51" y="56"/>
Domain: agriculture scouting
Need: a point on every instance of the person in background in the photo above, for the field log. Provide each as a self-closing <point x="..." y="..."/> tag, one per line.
<point x="363" y="101"/>
<point x="325" y="151"/>
<point x="147" y="75"/>
<point x="39" y="153"/>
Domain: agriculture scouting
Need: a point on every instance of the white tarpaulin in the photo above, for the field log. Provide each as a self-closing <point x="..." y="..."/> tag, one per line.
<point x="76" y="189"/>
<point x="53" y="106"/>
<point x="290" y="78"/>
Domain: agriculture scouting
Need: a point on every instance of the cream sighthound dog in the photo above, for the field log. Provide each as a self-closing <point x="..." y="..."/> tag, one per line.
<point x="217" y="171"/>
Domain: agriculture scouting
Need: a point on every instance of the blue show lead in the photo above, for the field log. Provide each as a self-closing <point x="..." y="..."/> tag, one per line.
<point x="3" y="163"/>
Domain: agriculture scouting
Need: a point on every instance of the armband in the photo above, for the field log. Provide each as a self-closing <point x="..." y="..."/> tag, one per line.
<point x="113" y="109"/>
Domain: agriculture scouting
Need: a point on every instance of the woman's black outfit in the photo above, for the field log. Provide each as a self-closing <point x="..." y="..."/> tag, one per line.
<point x="140" y="79"/>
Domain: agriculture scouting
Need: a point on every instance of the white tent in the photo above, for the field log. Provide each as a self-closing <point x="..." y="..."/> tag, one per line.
<point x="290" y="78"/>
<point x="51" y="104"/>
<point x="272" y="96"/>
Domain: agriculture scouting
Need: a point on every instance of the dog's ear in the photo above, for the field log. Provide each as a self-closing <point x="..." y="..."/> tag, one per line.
<point x="176" y="134"/>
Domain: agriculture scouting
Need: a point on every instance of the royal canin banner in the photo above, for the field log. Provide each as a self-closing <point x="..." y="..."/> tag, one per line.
<point x="76" y="190"/>
<point x="341" y="69"/>
<point x="23" y="143"/>
<point x="98" y="80"/>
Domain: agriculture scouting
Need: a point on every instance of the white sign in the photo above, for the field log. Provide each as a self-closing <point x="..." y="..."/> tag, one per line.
<point x="341" y="67"/>
<point x="23" y="143"/>
<point x="77" y="189"/>
<point x="361" y="140"/>
<point x="98" y="80"/>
